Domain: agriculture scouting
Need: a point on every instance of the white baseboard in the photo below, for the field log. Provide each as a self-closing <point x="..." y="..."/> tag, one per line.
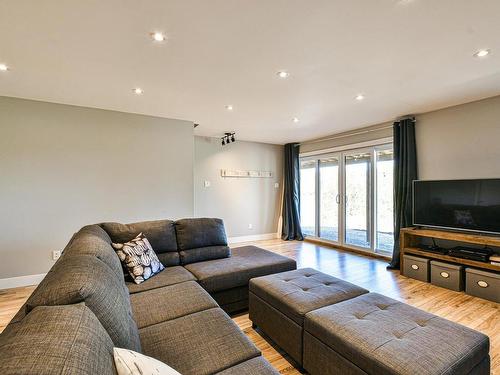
<point x="254" y="237"/>
<point x="15" y="282"/>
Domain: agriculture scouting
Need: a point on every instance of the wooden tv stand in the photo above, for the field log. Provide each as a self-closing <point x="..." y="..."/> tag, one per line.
<point x="411" y="237"/>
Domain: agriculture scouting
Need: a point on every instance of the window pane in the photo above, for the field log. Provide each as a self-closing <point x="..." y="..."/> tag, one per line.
<point x="329" y="190"/>
<point x="308" y="197"/>
<point x="385" y="217"/>
<point x="357" y="174"/>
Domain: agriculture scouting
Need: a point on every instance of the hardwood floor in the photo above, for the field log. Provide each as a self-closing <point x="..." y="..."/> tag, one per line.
<point x="362" y="270"/>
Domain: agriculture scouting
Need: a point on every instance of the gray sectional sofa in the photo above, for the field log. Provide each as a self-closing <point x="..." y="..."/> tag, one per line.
<point x="85" y="306"/>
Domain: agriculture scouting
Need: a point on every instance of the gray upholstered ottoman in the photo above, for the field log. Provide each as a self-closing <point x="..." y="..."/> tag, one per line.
<point x="374" y="334"/>
<point x="278" y="303"/>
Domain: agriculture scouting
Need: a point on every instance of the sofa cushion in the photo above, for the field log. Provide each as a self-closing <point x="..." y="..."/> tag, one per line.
<point x="169" y="276"/>
<point x="139" y="258"/>
<point x="170" y="302"/>
<point x="201" y="232"/>
<point x="87" y="279"/>
<point x="245" y="263"/>
<point x="254" y="366"/>
<point x="202" y="343"/>
<point x="160" y="233"/>
<point x="201" y="254"/>
<point x="384" y="336"/>
<point x="297" y="292"/>
<point x="57" y="340"/>
<point x="93" y="240"/>
<point x="169" y="259"/>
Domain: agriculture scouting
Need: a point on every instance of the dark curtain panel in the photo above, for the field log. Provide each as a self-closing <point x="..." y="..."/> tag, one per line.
<point x="405" y="171"/>
<point x="291" y="198"/>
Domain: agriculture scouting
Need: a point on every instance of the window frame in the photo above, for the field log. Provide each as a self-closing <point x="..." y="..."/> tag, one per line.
<point x="340" y="152"/>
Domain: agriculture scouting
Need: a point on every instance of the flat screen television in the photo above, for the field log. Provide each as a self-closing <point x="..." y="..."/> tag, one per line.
<point x="465" y="205"/>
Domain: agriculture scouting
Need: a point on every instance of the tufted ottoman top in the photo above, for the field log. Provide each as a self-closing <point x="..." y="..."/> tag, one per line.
<point x="297" y="292"/>
<point x="384" y="336"/>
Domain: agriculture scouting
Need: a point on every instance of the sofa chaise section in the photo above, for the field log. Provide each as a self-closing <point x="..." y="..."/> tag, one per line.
<point x="227" y="279"/>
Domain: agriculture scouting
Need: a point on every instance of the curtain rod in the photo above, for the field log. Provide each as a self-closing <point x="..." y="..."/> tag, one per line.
<point x="358" y="132"/>
<point x="346" y="135"/>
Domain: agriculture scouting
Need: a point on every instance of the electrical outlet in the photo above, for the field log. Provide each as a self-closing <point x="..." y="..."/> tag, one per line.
<point x="276" y="185"/>
<point x="206" y="184"/>
<point x="250" y="226"/>
<point x="56" y="254"/>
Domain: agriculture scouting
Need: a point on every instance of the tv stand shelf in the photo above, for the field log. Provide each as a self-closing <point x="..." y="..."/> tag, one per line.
<point x="411" y="237"/>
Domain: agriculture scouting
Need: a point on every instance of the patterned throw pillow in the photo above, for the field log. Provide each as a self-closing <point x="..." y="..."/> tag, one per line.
<point x="139" y="258"/>
<point x="128" y="362"/>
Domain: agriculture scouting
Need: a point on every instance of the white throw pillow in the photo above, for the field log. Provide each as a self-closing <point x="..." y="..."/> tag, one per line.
<point x="128" y="362"/>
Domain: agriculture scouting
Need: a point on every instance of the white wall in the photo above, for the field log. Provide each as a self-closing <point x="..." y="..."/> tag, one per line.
<point x="238" y="201"/>
<point x="62" y="167"/>
<point x="460" y="142"/>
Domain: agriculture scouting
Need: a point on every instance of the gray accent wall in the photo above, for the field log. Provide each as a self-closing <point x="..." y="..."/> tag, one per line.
<point x="62" y="167"/>
<point x="460" y="142"/>
<point x="238" y="201"/>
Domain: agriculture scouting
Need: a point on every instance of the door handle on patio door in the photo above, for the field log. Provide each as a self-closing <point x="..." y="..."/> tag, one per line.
<point x="337" y="198"/>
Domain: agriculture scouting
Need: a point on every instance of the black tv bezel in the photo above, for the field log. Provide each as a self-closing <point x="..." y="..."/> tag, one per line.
<point x="455" y="229"/>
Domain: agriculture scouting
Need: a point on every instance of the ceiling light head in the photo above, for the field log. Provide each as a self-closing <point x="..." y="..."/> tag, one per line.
<point x="229" y="107"/>
<point x="227" y="138"/>
<point x="295" y="119"/>
<point x="482" y="53"/>
<point x="283" y="74"/>
<point x="158" y="37"/>
<point x="138" y="91"/>
<point x="3" y="68"/>
<point x="359" y="97"/>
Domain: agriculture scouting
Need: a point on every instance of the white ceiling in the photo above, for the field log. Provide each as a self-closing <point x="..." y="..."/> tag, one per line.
<point x="407" y="56"/>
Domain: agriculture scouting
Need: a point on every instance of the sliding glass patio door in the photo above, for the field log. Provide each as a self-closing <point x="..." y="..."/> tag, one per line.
<point x="308" y="197"/>
<point x="346" y="197"/>
<point x="329" y="198"/>
<point x="357" y="167"/>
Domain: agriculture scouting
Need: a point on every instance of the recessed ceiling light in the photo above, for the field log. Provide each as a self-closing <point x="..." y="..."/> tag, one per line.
<point x="295" y="119"/>
<point x="229" y="107"/>
<point x="3" y="68"/>
<point x="360" y="97"/>
<point x="158" y="37"/>
<point x="482" y="53"/>
<point x="138" y="91"/>
<point x="283" y="74"/>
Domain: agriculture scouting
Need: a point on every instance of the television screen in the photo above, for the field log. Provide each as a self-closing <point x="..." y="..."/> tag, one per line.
<point x="472" y="205"/>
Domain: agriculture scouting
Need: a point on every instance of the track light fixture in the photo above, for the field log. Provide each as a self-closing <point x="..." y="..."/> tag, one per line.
<point x="228" y="138"/>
